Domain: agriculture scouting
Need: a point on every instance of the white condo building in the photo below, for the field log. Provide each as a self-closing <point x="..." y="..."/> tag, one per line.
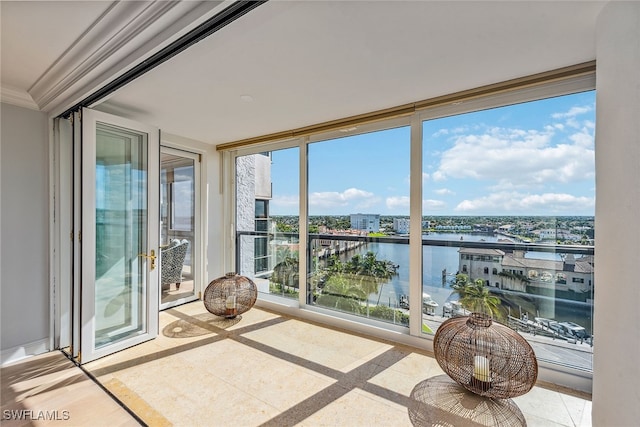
<point x="366" y="222"/>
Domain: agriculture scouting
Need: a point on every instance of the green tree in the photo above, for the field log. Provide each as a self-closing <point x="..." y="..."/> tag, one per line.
<point x="286" y="273"/>
<point x="475" y="296"/>
<point x="369" y="272"/>
<point x="342" y="292"/>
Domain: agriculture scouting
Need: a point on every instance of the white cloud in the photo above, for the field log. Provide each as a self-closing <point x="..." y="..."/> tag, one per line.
<point x="516" y="158"/>
<point x="443" y="191"/>
<point x="433" y="205"/>
<point x="334" y="199"/>
<point x="285" y="201"/>
<point x="513" y="202"/>
<point x="573" y="111"/>
<point x="398" y="203"/>
<point x="438" y="176"/>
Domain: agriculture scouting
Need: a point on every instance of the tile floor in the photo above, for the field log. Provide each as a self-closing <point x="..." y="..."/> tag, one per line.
<point x="265" y="369"/>
<point x="49" y="390"/>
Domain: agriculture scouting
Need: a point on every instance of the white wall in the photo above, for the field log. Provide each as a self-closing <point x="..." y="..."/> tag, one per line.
<point x="24" y="235"/>
<point x="218" y="249"/>
<point x="616" y="359"/>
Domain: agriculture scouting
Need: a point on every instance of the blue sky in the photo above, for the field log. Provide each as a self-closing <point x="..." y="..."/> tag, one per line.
<point x="534" y="158"/>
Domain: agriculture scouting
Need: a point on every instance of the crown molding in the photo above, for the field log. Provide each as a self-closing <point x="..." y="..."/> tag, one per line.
<point x="19" y="98"/>
<point x="106" y="40"/>
<point x="127" y="33"/>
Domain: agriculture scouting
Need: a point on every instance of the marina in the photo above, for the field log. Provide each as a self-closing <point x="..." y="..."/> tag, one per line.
<point x="440" y="265"/>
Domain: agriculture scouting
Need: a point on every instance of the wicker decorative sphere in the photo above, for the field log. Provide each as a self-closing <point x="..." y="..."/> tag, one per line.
<point x="485" y="357"/>
<point x="230" y="295"/>
<point x="439" y="401"/>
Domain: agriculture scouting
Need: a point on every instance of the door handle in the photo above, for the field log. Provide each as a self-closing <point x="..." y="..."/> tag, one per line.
<point x="152" y="257"/>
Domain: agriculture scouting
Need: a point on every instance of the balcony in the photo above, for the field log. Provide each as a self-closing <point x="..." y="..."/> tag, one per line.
<point x="263" y="369"/>
<point x="545" y="291"/>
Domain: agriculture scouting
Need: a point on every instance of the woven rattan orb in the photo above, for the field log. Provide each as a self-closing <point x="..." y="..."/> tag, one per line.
<point x="485" y="357"/>
<point x="439" y="401"/>
<point x="230" y="295"/>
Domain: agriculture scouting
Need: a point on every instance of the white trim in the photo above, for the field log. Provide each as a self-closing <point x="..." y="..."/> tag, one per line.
<point x="19" y="98"/>
<point x="228" y="181"/>
<point x="20" y="352"/>
<point x="415" y="224"/>
<point x="104" y="37"/>
<point x="111" y="46"/>
<point x="54" y="230"/>
<point x="197" y="250"/>
<point x="303" y="218"/>
<point x="149" y="330"/>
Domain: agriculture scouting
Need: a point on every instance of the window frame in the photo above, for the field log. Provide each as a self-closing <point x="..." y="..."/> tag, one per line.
<point x="554" y="87"/>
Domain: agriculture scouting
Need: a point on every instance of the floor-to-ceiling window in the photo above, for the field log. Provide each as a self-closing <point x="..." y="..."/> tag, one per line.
<point x="267" y="206"/>
<point x="358" y="198"/>
<point x="507" y="196"/>
<point x="508" y="211"/>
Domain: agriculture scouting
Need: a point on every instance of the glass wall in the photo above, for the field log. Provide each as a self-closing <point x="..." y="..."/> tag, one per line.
<point x="267" y="207"/>
<point x="509" y="199"/>
<point x="358" y="197"/>
<point x="507" y="202"/>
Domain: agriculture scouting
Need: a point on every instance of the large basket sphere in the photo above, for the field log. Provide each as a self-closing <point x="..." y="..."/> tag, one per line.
<point x="485" y="357"/>
<point x="230" y="295"/>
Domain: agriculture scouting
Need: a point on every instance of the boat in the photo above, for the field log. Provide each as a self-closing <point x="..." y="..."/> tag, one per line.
<point x="428" y="304"/>
<point x="404" y="302"/>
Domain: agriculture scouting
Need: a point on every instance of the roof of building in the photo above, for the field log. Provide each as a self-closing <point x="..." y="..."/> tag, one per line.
<point x="481" y="251"/>
<point x="541" y="264"/>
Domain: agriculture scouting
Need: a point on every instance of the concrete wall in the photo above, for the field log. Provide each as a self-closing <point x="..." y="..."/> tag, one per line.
<point x="616" y="377"/>
<point x="24" y="235"/>
<point x="245" y="210"/>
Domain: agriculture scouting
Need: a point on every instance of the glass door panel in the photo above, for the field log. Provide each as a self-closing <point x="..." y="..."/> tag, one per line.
<point x="179" y="207"/>
<point x="120" y="234"/>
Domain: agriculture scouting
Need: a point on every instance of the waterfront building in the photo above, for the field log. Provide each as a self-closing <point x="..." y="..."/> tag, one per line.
<point x="401" y="225"/>
<point x="366" y="222"/>
<point x="515" y="272"/>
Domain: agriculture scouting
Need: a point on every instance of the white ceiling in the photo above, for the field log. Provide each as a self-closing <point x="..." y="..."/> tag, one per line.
<point x="289" y="64"/>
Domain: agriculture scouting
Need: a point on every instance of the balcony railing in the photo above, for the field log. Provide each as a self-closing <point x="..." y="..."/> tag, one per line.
<point x="544" y="291"/>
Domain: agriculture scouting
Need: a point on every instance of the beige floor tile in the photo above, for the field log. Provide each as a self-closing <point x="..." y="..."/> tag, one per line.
<point x="575" y="406"/>
<point x="403" y="376"/>
<point x="334" y="349"/>
<point x="555" y="411"/>
<point x="260" y="369"/>
<point x="359" y="408"/>
<point x="50" y="386"/>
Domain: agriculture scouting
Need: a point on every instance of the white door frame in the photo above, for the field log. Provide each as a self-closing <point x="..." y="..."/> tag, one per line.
<point x="88" y="349"/>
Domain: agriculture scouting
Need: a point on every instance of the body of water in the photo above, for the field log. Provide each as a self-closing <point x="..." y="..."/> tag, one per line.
<point x="437" y="259"/>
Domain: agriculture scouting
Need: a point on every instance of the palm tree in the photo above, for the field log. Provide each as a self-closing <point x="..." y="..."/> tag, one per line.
<point x="370" y="272"/>
<point x="342" y="292"/>
<point x="285" y="273"/>
<point x="475" y="296"/>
